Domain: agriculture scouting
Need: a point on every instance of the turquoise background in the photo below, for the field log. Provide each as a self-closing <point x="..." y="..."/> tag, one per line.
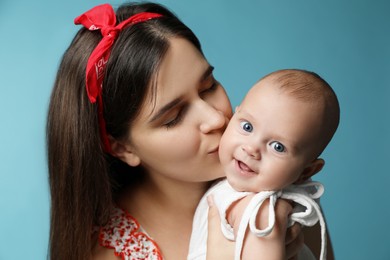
<point x="347" y="42"/>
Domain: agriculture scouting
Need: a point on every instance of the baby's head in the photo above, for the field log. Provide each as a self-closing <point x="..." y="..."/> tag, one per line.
<point x="277" y="133"/>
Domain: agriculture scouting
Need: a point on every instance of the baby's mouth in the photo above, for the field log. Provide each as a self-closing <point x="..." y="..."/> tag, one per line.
<point x="244" y="167"/>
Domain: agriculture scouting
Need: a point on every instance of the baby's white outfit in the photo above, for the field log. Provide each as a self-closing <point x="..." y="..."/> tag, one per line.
<point x="307" y="212"/>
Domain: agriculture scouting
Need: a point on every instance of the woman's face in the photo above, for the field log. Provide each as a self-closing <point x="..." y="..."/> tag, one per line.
<point x="177" y="133"/>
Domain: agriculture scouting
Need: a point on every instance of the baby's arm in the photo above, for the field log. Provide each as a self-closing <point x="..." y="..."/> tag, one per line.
<point x="271" y="246"/>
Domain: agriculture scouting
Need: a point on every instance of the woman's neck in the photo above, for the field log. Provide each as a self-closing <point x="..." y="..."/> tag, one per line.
<point x="165" y="209"/>
<point x="166" y="193"/>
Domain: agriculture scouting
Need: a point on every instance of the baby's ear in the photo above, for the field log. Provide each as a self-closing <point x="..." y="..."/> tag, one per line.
<point x="314" y="167"/>
<point x="124" y="153"/>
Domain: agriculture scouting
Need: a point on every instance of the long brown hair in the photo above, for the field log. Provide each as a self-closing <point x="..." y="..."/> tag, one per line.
<point x="83" y="179"/>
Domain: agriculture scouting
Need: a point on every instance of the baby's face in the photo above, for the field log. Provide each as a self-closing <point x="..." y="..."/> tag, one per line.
<point x="270" y="140"/>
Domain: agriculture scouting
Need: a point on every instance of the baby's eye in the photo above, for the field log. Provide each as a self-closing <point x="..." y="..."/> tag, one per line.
<point x="278" y="147"/>
<point x="246" y="126"/>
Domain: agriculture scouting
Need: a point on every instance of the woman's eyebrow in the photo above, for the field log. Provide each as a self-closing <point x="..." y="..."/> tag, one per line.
<point x="165" y="109"/>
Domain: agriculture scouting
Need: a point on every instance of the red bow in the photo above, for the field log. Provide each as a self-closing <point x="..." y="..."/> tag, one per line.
<point x="102" y="17"/>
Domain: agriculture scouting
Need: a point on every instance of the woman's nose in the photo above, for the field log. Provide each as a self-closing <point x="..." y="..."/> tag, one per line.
<point x="212" y="119"/>
<point x="252" y="151"/>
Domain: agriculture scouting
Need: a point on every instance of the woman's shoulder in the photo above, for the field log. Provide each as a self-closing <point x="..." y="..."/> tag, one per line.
<point x="123" y="237"/>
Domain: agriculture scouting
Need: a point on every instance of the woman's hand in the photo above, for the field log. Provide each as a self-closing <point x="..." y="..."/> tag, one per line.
<point x="294" y="241"/>
<point x="218" y="247"/>
<point x="294" y="235"/>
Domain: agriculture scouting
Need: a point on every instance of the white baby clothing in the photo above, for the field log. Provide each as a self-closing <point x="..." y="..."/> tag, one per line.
<point x="307" y="212"/>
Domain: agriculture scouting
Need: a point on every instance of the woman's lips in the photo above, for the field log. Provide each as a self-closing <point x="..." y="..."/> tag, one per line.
<point x="214" y="151"/>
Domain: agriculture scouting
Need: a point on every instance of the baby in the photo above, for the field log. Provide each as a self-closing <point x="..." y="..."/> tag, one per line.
<point x="269" y="150"/>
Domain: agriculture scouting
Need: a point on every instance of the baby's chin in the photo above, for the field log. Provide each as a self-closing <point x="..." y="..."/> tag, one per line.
<point x="237" y="186"/>
<point x="245" y="186"/>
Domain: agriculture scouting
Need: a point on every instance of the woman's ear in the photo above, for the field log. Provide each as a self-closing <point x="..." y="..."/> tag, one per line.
<point x="314" y="167"/>
<point x="124" y="153"/>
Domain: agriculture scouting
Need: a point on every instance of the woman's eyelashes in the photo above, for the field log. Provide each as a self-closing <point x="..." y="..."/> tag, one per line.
<point x="210" y="88"/>
<point x="176" y="119"/>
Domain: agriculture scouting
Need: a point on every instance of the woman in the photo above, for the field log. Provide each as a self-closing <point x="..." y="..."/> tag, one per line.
<point x="135" y="138"/>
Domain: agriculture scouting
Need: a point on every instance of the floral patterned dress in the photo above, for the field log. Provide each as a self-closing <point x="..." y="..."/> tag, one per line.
<point x="123" y="234"/>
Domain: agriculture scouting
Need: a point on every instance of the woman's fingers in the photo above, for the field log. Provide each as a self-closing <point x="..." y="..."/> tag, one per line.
<point x="294" y="234"/>
<point x="294" y="241"/>
<point x="218" y="247"/>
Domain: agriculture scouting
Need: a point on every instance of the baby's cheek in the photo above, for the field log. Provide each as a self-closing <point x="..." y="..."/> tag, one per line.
<point x="224" y="153"/>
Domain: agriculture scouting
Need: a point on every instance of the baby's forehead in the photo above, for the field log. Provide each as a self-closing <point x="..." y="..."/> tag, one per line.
<point x="301" y="87"/>
<point x="269" y="87"/>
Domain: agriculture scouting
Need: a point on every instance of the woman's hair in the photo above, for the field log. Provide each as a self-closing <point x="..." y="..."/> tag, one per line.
<point x="83" y="179"/>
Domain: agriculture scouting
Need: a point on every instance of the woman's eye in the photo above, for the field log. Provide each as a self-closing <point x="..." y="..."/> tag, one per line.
<point x="213" y="86"/>
<point x="210" y="88"/>
<point x="246" y="126"/>
<point x="278" y="147"/>
<point x="173" y="122"/>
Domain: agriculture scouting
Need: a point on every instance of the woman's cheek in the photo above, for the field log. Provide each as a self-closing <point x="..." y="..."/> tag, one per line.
<point x="185" y="143"/>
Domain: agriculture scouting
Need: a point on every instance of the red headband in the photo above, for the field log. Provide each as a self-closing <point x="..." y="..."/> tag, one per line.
<point x="102" y="17"/>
